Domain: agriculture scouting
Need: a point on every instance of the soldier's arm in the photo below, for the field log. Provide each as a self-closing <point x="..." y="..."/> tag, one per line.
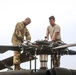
<point x="27" y="35"/>
<point x="18" y="30"/>
<point x="56" y="32"/>
<point x="47" y="33"/>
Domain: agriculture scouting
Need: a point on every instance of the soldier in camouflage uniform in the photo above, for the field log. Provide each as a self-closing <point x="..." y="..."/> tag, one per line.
<point x="20" y="32"/>
<point x="54" y="31"/>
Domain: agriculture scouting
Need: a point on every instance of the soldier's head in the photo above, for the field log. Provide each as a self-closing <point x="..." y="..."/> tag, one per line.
<point x="52" y="20"/>
<point x="27" y="21"/>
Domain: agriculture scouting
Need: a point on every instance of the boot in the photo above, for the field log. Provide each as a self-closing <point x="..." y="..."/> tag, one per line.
<point x="17" y="67"/>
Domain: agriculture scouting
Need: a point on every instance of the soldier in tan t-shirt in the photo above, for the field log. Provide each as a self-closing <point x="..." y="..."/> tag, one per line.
<point x="54" y="31"/>
<point x="18" y="37"/>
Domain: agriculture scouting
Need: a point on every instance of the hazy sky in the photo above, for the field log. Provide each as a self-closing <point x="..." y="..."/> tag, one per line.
<point x="13" y="11"/>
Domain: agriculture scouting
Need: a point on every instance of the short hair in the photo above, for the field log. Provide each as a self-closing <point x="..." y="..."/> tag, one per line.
<point x="27" y="18"/>
<point x="52" y="17"/>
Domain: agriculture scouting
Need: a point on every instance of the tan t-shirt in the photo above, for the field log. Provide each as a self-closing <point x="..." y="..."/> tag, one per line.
<point x="52" y="29"/>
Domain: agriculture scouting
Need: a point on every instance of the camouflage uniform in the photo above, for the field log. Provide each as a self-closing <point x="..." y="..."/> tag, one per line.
<point x="56" y="60"/>
<point x="51" y="30"/>
<point x="18" y="37"/>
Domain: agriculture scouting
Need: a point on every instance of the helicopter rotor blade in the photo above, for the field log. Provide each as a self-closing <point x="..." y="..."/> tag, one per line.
<point x="6" y="48"/>
<point x="65" y="46"/>
<point x="9" y="61"/>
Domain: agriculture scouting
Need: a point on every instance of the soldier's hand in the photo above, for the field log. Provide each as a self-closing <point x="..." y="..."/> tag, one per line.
<point x="52" y="44"/>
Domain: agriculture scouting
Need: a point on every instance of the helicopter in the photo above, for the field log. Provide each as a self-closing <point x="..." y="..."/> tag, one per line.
<point x="31" y="50"/>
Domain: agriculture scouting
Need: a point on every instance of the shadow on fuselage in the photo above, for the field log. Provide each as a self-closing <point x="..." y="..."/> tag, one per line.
<point x="24" y="72"/>
<point x="53" y="71"/>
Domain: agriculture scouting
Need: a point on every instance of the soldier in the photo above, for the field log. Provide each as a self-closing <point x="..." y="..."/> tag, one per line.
<point x="20" y="32"/>
<point x="54" y="31"/>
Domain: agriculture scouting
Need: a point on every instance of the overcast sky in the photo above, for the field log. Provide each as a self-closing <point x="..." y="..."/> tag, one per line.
<point x="13" y="11"/>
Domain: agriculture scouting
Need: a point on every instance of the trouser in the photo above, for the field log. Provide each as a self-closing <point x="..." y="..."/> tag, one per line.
<point x="16" y="60"/>
<point x="55" y="60"/>
<point x="56" y="57"/>
<point x="16" y="57"/>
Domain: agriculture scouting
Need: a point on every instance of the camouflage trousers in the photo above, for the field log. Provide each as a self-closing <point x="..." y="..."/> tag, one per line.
<point x="16" y="57"/>
<point x="56" y="60"/>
